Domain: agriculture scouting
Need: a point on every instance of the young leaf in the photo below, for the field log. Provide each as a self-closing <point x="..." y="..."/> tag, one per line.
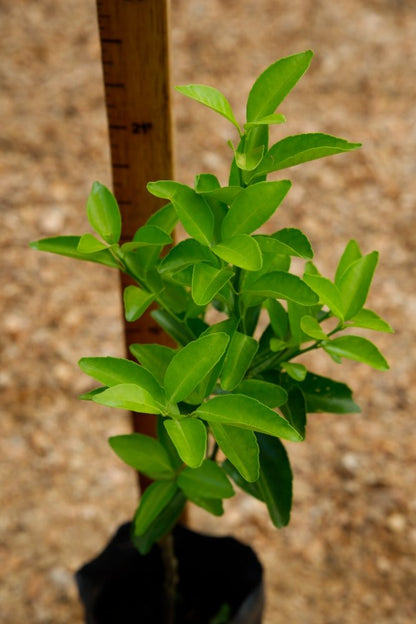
<point x="294" y="241"/>
<point x="249" y="159"/>
<point x="211" y="97"/>
<point x="311" y="327"/>
<point x="147" y="236"/>
<point x="269" y="120"/>
<point x="68" y="246"/>
<point x="186" y="253"/>
<point x="281" y="285"/>
<point x="325" y="395"/>
<point x="89" y="244"/>
<point x="243" y="411"/>
<point x="153" y="500"/>
<point x="253" y="207"/>
<point x="129" y="397"/>
<point x="240" y="354"/>
<point x="154" y="357"/>
<point x="295" y="410"/>
<point x="265" y="392"/>
<point x="162" y="525"/>
<point x="103" y="213"/>
<point x="144" y="454"/>
<point x="165" y="218"/>
<point x="358" y="349"/>
<point x="136" y="301"/>
<point x="192" y="363"/>
<point x="294" y="150"/>
<point x="207" y="281"/>
<point x="241" y="448"/>
<point x="209" y="479"/>
<point x="355" y="282"/>
<point x="189" y="435"/>
<point x="273" y="85"/>
<point x="296" y="371"/>
<point x="367" y="319"/>
<point x="328" y="293"/>
<point x="242" y="251"/>
<point x="351" y="253"/>
<point x="275" y="481"/>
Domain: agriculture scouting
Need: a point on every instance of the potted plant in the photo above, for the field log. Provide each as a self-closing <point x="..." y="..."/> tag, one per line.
<point x="235" y="386"/>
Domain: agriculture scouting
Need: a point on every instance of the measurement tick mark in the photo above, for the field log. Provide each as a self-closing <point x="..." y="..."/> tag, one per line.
<point x="121" y="166"/>
<point x="106" y="40"/>
<point x="115" y="85"/>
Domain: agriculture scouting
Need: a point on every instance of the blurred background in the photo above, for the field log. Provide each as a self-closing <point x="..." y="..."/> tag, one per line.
<point x="348" y="554"/>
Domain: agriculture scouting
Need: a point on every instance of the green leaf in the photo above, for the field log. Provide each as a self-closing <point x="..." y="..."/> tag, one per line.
<point x="295" y="314"/>
<point x="154" y="357"/>
<point x="212" y="505"/>
<point x="189" y="435"/>
<point x="275" y="481"/>
<point x="68" y="246"/>
<point x="129" y="397"/>
<point x="165" y="218"/>
<point x="88" y="396"/>
<point x="148" y="236"/>
<point x="296" y="371"/>
<point x="103" y="213"/>
<point x="242" y="251"/>
<point x="250" y="488"/>
<point x="277" y="345"/>
<point x="225" y="194"/>
<point x="295" y="410"/>
<point x="192" y="363"/>
<point x="176" y="329"/>
<point x="144" y="454"/>
<point x="355" y="282"/>
<point x="269" y="394"/>
<point x="294" y="242"/>
<point x="328" y="293"/>
<point x="273" y="85"/>
<point x="249" y="159"/>
<point x="358" y="349"/>
<point x="253" y="207"/>
<point x="351" y="253"/>
<point x="269" y="120"/>
<point x="367" y="319"/>
<point x="240" y="354"/>
<point x="281" y="285"/>
<point x="211" y="97"/>
<point x="209" y="480"/>
<point x="311" y="327"/>
<point x="153" y="500"/>
<point x="294" y="150"/>
<point x="241" y="448"/>
<point x="186" y="253"/>
<point x="243" y="411"/>
<point x="326" y="395"/>
<point x="162" y="525"/>
<point x="207" y="281"/>
<point x="89" y="244"/>
<point x="278" y="318"/>
<point x="112" y="371"/>
<point x="136" y="301"/>
<point x="193" y="211"/>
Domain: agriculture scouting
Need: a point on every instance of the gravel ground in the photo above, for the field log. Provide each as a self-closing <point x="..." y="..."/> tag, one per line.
<point x="348" y="555"/>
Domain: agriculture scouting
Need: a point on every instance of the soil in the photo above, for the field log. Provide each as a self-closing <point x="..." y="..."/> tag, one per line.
<point x="348" y="555"/>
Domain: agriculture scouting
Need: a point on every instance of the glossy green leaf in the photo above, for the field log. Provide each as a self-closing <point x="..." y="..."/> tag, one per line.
<point x="226" y="194"/>
<point x="241" y="448"/>
<point x="295" y="371"/>
<point x="269" y="120"/>
<point x="206" y="182"/>
<point x="243" y="411"/>
<point x="148" y="236"/>
<point x="68" y="246"/>
<point x="275" y="481"/>
<point x="162" y="525"/>
<point x="249" y="159"/>
<point x="274" y="83"/>
<point x="211" y="97"/>
<point x="192" y="363"/>
<point x="186" y="253"/>
<point x="294" y="150"/>
<point x="176" y="329"/>
<point x="144" y="454"/>
<point x="164" y="439"/>
<point x="295" y="314"/>
<point x="326" y="395"/>
<point x="129" y="397"/>
<point x="355" y="282"/>
<point x="209" y="479"/>
<point x="367" y="319"/>
<point x="103" y="213"/>
<point x="253" y="207"/>
<point x="89" y="244"/>
<point x="281" y="285"/>
<point x="295" y="410"/>
<point x="242" y="251"/>
<point x="189" y="435"/>
<point x="207" y="281"/>
<point x="165" y="218"/>
<point x="265" y="392"/>
<point x="358" y="349"/>
<point x="154" y="357"/>
<point x="213" y="505"/>
<point x="240" y="354"/>
<point x="311" y="327"/>
<point x="278" y="318"/>
<point x="153" y="500"/>
<point x="88" y="396"/>
<point x="295" y="242"/>
<point x="136" y="301"/>
<point x="351" y="253"/>
<point x="328" y="293"/>
<point x="277" y="345"/>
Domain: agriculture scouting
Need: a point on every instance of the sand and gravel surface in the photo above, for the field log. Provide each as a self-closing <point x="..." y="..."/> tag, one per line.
<point x="348" y="555"/>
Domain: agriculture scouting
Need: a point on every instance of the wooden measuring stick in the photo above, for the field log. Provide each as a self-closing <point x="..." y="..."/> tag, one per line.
<point x="134" y="38"/>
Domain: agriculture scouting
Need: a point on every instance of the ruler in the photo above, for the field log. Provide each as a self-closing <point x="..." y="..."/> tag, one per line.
<point x="134" y="37"/>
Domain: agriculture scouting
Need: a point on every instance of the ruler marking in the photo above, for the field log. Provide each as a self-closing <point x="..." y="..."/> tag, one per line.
<point x="109" y="40"/>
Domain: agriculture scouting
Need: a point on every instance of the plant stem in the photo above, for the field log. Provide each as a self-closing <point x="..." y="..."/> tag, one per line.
<point x="170" y="566"/>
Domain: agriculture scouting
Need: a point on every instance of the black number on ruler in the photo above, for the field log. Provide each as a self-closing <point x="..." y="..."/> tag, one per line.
<point x="141" y="128"/>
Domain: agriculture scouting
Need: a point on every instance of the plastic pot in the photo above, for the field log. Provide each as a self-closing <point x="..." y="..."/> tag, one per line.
<point x="217" y="575"/>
